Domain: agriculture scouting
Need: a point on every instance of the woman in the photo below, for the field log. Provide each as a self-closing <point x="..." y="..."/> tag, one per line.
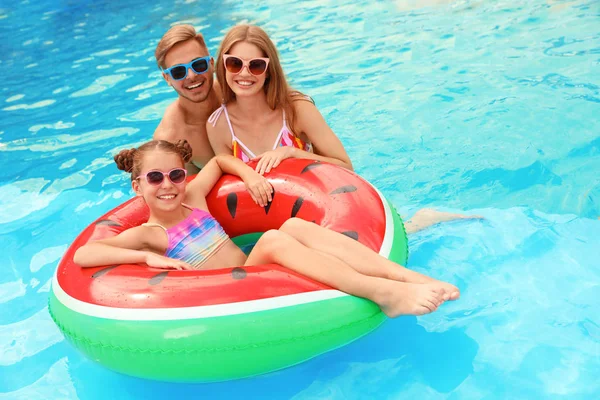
<point x="262" y="118"/>
<point x="182" y="234"/>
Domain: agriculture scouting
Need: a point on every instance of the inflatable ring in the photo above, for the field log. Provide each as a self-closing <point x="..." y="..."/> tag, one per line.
<point x="215" y="325"/>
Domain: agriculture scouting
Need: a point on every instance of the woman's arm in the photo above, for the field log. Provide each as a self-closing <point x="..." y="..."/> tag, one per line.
<point x="218" y="136"/>
<point x="326" y="144"/>
<point x="125" y="248"/>
<point x="260" y="189"/>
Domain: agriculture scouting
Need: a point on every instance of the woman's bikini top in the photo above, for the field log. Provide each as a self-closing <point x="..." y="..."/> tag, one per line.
<point x="241" y="151"/>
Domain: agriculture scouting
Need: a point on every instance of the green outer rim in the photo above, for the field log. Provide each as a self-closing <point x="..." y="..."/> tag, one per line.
<point x="194" y="349"/>
<point x="399" y="251"/>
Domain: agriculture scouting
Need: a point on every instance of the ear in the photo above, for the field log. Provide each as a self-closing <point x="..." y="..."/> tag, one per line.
<point x="166" y="78"/>
<point x="135" y="185"/>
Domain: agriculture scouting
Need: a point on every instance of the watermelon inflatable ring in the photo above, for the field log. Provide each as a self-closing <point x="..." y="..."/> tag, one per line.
<point x="215" y="325"/>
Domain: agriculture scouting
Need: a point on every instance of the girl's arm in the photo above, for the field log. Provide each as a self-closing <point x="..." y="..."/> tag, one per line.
<point x="260" y="189"/>
<point x="125" y="248"/>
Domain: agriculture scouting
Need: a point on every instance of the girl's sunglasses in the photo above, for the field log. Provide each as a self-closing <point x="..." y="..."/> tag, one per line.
<point x="235" y="65"/>
<point x="155" y="178"/>
<point x="180" y="71"/>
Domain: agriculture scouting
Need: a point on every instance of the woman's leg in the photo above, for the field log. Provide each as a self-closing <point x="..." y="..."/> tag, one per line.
<point x="395" y="298"/>
<point x="427" y="217"/>
<point x="357" y="255"/>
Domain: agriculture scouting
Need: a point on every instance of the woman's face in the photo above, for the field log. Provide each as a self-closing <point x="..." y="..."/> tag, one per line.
<point x="166" y="196"/>
<point x="244" y="83"/>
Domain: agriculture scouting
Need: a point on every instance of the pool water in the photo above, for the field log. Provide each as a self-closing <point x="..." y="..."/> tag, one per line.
<point x="483" y="107"/>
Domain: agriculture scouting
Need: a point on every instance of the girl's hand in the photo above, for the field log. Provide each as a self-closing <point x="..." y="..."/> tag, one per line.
<point x="259" y="188"/>
<point x="271" y="159"/>
<point x="156" y="261"/>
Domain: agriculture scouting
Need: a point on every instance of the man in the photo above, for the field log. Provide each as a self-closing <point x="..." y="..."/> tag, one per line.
<point x="188" y="68"/>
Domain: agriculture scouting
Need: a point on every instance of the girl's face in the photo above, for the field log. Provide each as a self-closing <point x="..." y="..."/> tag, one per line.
<point x="166" y="196"/>
<point x="244" y="83"/>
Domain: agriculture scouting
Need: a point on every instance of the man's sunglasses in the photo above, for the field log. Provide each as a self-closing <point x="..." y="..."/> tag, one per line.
<point x="235" y="65"/>
<point x="155" y="178"/>
<point x="180" y="71"/>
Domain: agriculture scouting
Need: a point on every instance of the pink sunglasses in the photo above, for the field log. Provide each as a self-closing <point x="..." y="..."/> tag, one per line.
<point x="155" y="177"/>
<point x="235" y="65"/>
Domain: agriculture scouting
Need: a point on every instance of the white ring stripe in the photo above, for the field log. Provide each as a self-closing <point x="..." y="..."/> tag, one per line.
<point x="180" y="313"/>
<point x="388" y="237"/>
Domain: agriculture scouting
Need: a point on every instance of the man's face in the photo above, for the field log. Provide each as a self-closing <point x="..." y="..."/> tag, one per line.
<point x="194" y="87"/>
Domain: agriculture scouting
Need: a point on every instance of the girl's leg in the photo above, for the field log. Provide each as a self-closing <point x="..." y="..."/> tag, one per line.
<point x="395" y="298"/>
<point x="427" y="217"/>
<point x="357" y="255"/>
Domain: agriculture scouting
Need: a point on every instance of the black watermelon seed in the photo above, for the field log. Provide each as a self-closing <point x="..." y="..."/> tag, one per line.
<point x="103" y="271"/>
<point x="238" y="273"/>
<point x="310" y="166"/>
<point x="268" y="206"/>
<point x="108" y="222"/>
<point x="297" y="205"/>
<point x="351" y="234"/>
<point x="232" y="204"/>
<point x="344" y="189"/>
<point x="158" y="278"/>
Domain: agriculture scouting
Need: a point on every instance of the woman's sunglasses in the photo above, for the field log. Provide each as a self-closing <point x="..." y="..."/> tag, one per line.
<point x="235" y="65"/>
<point x="180" y="71"/>
<point x="155" y="178"/>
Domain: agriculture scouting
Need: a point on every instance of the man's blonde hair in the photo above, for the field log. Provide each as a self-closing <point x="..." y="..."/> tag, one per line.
<point x="177" y="34"/>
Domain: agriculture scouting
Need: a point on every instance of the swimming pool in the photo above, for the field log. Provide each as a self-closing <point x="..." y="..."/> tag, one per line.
<point x="487" y="107"/>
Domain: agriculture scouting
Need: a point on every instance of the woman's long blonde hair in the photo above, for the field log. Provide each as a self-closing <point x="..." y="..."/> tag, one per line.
<point x="276" y="87"/>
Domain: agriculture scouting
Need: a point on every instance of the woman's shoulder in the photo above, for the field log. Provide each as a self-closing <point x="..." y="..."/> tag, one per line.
<point x="297" y="96"/>
<point x="216" y="121"/>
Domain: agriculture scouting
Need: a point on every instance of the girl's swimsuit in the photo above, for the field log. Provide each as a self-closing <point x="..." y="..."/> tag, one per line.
<point x="195" y="239"/>
<point x="241" y="151"/>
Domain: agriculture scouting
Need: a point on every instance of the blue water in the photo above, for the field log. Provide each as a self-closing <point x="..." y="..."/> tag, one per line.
<point x="488" y="107"/>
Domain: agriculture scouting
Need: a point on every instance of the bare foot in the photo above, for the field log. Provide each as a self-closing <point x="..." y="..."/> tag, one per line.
<point x="402" y="274"/>
<point x="399" y="298"/>
<point x="427" y="217"/>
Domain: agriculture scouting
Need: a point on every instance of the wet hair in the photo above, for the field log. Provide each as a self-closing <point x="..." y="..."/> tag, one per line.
<point x="177" y="34"/>
<point x="278" y="92"/>
<point x="130" y="160"/>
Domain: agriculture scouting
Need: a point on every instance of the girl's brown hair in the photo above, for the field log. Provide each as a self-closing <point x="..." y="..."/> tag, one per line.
<point x="276" y="87"/>
<point x="131" y="160"/>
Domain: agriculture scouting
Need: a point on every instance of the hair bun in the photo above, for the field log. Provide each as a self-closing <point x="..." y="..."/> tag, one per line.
<point x="124" y="160"/>
<point x="184" y="149"/>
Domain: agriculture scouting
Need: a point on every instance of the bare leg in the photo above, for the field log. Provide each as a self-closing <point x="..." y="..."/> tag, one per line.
<point x="427" y="217"/>
<point x="395" y="298"/>
<point x="357" y="255"/>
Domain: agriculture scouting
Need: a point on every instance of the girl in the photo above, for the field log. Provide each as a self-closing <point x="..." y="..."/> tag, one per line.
<point x="181" y="234"/>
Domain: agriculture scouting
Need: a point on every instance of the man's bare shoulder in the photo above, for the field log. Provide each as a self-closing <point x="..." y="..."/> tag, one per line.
<point x="170" y="123"/>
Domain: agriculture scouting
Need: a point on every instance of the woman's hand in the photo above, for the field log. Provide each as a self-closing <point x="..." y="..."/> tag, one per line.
<point x="259" y="188"/>
<point x="271" y="159"/>
<point x="156" y="261"/>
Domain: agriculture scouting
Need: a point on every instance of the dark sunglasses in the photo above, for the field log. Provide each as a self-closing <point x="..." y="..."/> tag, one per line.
<point x="256" y="66"/>
<point x="180" y="71"/>
<point x="155" y="178"/>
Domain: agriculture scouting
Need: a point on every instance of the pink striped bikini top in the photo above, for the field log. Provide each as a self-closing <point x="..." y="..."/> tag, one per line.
<point x="195" y="239"/>
<point x="241" y="151"/>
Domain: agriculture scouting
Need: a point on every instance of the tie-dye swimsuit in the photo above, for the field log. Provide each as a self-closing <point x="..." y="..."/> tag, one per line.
<point x="241" y="151"/>
<point x="195" y="239"/>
